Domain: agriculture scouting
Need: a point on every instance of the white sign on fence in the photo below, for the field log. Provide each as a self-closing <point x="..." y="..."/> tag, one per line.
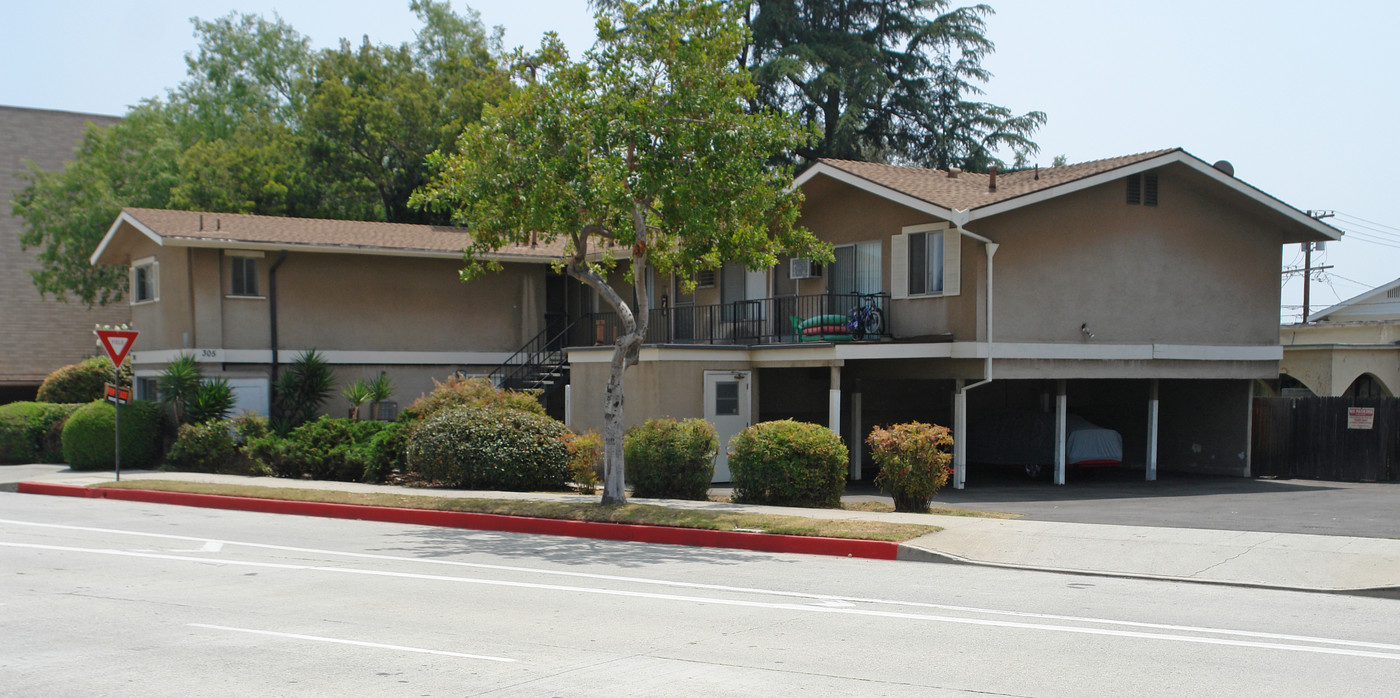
<point x="1361" y="417"/>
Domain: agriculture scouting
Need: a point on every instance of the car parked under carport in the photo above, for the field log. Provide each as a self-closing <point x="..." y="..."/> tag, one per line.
<point x="1026" y="439"/>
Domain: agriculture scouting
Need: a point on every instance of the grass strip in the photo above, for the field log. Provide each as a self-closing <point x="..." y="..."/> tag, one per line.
<point x="583" y="510"/>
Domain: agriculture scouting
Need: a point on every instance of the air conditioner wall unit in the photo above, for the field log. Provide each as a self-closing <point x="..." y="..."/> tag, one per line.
<point x="799" y="268"/>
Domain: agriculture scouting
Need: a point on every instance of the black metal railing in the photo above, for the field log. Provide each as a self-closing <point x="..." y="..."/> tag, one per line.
<point x="784" y="319"/>
<point x="539" y="365"/>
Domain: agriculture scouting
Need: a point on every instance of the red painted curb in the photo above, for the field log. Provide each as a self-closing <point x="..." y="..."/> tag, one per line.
<point x="761" y="542"/>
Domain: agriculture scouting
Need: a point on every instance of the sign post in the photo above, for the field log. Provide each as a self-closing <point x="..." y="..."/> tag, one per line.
<point x="116" y="343"/>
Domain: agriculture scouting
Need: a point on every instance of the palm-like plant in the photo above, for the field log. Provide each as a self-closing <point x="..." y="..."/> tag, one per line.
<point x="179" y="384"/>
<point x="379" y="391"/>
<point x="213" y="400"/>
<point x="303" y="389"/>
<point x="357" y="393"/>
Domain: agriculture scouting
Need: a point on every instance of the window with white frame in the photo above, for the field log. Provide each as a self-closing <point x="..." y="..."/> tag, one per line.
<point x="243" y="276"/>
<point x="925" y="260"/>
<point x="145" y="280"/>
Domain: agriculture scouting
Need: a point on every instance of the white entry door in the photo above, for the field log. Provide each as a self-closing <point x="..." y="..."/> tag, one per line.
<point x="727" y="407"/>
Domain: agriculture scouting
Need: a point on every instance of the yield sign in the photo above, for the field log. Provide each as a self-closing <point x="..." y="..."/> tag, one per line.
<point x="117" y="343"/>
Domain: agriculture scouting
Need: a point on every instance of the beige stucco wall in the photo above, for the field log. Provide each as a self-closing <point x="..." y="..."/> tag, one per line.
<point x="651" y="389"/>
<point x="1328" y="357"/>
<point x="1191" y="270"/>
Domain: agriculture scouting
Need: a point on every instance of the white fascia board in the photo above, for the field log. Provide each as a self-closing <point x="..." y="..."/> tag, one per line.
<point x="123" y="217"/>
<point x="881" y="191"/>
<point x="1361" y="298"/>
<point x="1175" y="156"/>
<point x="344" y="249"/>
<point x="1192" y="352"/>
<point x="332" y="356"/>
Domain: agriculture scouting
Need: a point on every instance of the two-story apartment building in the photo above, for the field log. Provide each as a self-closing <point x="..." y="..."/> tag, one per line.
<point x="1139" y="292"/>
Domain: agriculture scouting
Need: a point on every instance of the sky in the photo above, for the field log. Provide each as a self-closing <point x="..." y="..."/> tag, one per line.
<point x="1299" y="96"/>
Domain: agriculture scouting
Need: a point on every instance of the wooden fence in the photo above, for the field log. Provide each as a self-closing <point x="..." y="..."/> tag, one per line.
<point x="1327" y="438"/>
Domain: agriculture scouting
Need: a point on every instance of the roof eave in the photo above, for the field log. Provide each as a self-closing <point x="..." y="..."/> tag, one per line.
<point x="899" y="197"/>
<point x="123" y="217"/>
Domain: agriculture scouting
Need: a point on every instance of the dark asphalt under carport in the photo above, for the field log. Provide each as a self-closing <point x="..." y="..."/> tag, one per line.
<point x="1121" y="496"/>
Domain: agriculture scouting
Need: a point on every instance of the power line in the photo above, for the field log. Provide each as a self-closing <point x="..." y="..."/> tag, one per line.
<point x="1363" y="220"/>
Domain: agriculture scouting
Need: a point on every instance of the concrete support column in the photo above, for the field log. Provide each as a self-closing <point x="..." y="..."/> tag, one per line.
<point x="1061" y="405"/>
<point x="857" y="438"/>
<point x="834" y="406"/>
<point x="1152" y="408"/>
<point x="959" y="435"/>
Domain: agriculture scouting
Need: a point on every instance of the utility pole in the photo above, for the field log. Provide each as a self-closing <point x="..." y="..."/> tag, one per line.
<point x="1307" y="268"/>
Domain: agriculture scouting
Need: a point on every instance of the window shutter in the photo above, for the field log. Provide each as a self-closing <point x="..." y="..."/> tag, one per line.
<point x="899" y="266"/>
<point x="155" y="281"/>
<point x="952" y="262"/>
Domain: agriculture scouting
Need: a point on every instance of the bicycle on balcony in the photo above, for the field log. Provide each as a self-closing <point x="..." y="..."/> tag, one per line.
<point x="866" y="319"/>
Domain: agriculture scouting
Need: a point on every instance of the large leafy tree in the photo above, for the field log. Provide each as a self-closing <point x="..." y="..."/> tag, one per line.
<point x="264" y="124"/>
<point x="885" y="80"/>
<point x="644" y="144"/>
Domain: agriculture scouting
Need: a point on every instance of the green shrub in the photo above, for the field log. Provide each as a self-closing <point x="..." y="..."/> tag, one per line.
<point x="585" y="461"/>
<point x="208" y="447"/>
<point x="88" y="437"/>
<point x="473" y="392"/>
<point x="913" y="460"/>
<point x="80" y="383"/>
<point x="249" y="426"/>
<point x="788" y="463"/>
<point x="484" y="448"/>
<point x="324" y="449"/>
<point x="670" y="459"/>
<point x="26" y="428"/>
<point x="387" y="451"/>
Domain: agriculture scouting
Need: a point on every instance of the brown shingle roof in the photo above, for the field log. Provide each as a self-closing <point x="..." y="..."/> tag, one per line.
<point x="236" y="229"/>
<point x="969" y="190"/>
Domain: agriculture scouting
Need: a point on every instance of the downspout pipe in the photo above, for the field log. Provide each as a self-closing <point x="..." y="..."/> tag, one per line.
<point x="272" y="321"/>
<point x="960" y="396"/>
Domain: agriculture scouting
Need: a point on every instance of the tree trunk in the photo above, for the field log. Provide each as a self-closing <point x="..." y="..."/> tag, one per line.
<point x="624" y="355"/>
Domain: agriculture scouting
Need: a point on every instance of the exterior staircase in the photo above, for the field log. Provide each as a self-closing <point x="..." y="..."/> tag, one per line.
<point x="540" y="365"/>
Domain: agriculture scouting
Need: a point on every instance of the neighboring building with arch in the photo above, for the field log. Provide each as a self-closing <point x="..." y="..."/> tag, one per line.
<point x="1351" y="349"/>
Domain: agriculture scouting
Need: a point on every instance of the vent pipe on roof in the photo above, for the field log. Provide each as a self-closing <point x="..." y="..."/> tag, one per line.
<point x="201" y="222"/>
<point x="953" y="172"/>
<point x="992" y="181"/>
<point x="1037" y="172"/>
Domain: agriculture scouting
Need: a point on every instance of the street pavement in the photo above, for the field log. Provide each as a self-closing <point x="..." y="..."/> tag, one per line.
<point x="1261" y="558"/>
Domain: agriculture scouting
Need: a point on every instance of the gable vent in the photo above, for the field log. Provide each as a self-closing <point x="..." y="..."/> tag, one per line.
<point x="1134" y="189"/>
<point x="1149" y="190"/>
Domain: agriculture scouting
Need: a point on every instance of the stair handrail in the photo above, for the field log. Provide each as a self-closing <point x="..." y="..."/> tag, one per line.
<point x="535" y="346"/>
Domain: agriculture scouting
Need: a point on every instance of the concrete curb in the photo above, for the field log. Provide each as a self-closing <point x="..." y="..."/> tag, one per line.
<point x="668" y="535"/>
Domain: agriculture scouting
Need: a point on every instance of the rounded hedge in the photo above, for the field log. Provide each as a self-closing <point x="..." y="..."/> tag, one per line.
<point x="484" y="448"/>
<point x="470" y="392"/>
<point x="670" y="459"/>
<point x="788" y="463"/>
<point x="88" y="437"/>
<point x="26" y="430"/>
<point x="914" y="460"/>
<point x="207" y="447"/>
<point x="79" y="383"/>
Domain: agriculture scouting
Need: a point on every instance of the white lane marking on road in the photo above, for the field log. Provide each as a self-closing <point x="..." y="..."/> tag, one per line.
<point x="749" y="590"/>
<point x="356" y="643"/>
<point x="805" y="608"/>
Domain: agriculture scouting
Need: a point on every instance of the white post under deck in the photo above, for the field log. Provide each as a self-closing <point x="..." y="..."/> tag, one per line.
<point x="1061" y="403"/>
<point x="857" y="438"/>
<point x="834" y="407"/>
<point x="959" y="435"/>
<point x="1152" y="407"/>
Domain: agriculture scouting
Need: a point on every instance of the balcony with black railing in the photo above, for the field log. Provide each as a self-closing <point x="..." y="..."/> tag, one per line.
<point x="835" y="317"/>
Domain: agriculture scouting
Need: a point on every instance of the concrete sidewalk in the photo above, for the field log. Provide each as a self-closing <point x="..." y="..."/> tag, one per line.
<point x="1243" y="558"/>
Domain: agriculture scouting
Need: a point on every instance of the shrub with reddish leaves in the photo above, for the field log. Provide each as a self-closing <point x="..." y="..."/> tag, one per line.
<point x="914" y="462"/>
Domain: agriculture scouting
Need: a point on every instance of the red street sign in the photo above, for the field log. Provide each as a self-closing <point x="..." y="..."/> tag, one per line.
<point x="117" y="343"/>
<point x="121" y="396"/>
